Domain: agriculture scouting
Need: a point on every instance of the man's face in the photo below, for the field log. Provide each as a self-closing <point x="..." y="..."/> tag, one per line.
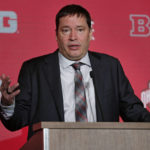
<point x="73" y="37"/>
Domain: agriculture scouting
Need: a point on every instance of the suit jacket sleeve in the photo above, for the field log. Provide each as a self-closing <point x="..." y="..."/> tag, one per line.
<point x="22" y="102"/>
<point x="131" y="108"/>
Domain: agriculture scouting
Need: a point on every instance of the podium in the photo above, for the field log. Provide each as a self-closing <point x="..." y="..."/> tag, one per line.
<point x="89" y="136"/>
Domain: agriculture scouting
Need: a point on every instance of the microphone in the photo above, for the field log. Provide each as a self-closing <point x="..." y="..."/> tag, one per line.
<point x="96" y="95"/>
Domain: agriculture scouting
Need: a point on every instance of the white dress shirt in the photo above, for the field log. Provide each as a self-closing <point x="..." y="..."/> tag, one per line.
<point x="67" y="81"/>
<point x="67" y="74"/>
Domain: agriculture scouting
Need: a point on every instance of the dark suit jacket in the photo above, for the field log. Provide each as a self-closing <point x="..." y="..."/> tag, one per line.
<point x="41" y="92"/>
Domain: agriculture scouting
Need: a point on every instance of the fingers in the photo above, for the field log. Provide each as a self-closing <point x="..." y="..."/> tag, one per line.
<point x="13" y="94"/>
<point x="12" y="88"/>
<point x="8" y="92"/>
<point x="5" y="82"/>
<point x="8" y="99"/>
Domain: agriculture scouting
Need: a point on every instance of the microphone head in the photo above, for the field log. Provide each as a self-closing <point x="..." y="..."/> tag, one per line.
<point x="91" y="74"/>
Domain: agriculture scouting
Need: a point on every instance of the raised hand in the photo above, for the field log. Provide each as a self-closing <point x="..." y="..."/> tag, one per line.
<point x="8" y="92"/>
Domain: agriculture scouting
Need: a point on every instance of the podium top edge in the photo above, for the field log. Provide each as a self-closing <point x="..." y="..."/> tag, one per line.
<point x="93" y="125"/>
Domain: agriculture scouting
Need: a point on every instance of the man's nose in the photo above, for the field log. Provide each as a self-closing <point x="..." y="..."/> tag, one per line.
<point x="73" y="35"/>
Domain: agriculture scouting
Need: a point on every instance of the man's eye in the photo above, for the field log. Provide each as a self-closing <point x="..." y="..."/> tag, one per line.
<point x="65" y="30"/>
<point x="80" y="29"/>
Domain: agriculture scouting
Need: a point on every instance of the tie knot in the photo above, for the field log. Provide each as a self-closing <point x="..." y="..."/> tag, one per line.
<point x="76" y="66"/>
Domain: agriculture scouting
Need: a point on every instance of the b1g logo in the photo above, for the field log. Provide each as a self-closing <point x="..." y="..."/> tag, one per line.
<point x="8" y="22"/>
<point x="140" y="25"/>
<point x="145" y="97"/>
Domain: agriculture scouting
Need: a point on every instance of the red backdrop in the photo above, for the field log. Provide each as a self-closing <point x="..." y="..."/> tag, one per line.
<point x="121" y="29"/>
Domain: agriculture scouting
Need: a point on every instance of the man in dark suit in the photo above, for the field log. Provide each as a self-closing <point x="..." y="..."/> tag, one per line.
<point x="47" y="90"/>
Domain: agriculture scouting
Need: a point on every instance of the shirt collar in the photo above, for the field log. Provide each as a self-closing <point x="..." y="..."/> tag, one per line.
<point x="65" y="63"/>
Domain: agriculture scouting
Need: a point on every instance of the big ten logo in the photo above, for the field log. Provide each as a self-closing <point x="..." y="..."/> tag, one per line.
<point x="8" y="22"/>
<point x="93" y="30"/>
<point x="140" y="25"/>
<point x="145" y="97"/>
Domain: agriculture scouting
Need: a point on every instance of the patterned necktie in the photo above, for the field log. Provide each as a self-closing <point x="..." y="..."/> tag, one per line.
<point x="80" y="98"/>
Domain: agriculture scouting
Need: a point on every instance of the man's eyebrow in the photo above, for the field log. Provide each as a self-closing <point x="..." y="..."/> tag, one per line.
<point x="65" y="26"/>
<point x="80" y="26"/>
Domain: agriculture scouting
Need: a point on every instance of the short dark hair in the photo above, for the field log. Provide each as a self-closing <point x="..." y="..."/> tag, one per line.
<point x="73" y="10"/>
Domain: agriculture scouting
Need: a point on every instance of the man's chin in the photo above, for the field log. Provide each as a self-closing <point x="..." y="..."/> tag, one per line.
<point x="75" y="57"/>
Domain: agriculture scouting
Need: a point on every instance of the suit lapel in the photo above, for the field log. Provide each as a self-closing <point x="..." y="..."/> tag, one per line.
<point x="98" y="77"/>
<point x="52" y="73"/>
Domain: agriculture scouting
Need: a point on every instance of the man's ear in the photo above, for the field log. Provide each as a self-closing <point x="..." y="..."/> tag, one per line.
<point x="91" y="34"/>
